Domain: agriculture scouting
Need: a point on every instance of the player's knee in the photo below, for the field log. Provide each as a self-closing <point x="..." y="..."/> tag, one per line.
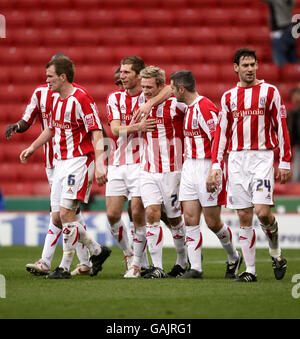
<point x="245" y="217"/>
<point x="152" y="214"/>
<point x="264" y="215"/>
<point x="113" y="216"/>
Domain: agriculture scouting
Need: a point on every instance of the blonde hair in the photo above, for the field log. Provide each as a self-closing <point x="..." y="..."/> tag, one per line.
<point x="154" y="72"/>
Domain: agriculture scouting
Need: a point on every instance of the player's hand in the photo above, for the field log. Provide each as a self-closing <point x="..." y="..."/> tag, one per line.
<point x="147" y="125"/>
<point x="142" y="112"/>
<point x="283" y="175"/>
<point x="26" y="154"/>
<point x="213" y="180"/>
<point x="10" y="129"/>
<point x="101" y="178"/>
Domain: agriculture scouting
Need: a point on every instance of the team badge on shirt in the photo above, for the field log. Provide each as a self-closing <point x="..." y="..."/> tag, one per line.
<point x="89" y="120"/>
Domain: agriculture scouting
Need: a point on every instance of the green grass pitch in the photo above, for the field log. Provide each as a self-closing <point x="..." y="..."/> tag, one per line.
<point x="109" y="296"/>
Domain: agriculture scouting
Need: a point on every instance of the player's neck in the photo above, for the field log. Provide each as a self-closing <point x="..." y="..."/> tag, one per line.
<point x="66" y="90"/>
<point x="249" y="84"/>
<point x="134" y="91"/>
<point x="191" y="97"/>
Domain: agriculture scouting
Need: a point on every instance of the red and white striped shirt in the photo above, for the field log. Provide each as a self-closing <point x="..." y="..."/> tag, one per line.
<point x="164" y="146"/>
<point x="39" y="107"/>
<point x="128" y="147"/>
<point x="72" y="120"/>
<point x="199" y="127"/>
<point x="252" y="118"/>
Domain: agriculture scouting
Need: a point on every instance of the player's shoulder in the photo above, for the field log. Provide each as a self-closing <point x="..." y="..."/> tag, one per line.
<point x="205" y="102"/>
<point x="115" y="95"/>
<point x="43" y="87"/>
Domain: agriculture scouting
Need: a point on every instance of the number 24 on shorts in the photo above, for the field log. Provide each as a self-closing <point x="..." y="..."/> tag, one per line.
<point x="266" y="183"/>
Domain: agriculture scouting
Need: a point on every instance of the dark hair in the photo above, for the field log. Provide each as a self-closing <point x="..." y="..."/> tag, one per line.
<point x="137" y="63"/>
<point x="63" y="65"/>
<point x="184" y="78"/>
<point x="294" y="91"/>
<point x="58" y="55"/>
<point x="243" y="52"/>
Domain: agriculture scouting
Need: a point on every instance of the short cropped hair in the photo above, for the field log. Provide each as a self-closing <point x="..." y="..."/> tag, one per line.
<point x="243" y="52"/>
<point x="63" y="65"/>
<point x="137" y="63"/>
<point x="154" y="72"/>
<point x="184" y="78"/>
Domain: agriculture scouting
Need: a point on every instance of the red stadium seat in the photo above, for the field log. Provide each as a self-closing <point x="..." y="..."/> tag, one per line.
<point x="218" y="53"/>
<point x="87" y="4"/>
<point x="28" y="74"/>
<point x="41" y="19"/>
<point x="41" y="188"/>
<point x="268" y="72"/>
<point x="216" y="17"/>
<point x="290" y="72"/>
<point x="187" y="17"/>
<point x="8" y="173"/>
<point x="203" y="3"/>
<point x="87" y="74"/>
<point x="121" y="52"/>
<point x="145" y="36"/>
<point x="12" y="56"/>
<point x="16" y="18"/>
<point x="205" y="72"/>
<point x="129" y="17"/>
<point x="174" y="4"/>
<point x="41" y="55"/>
<point x="186" y="54"/>
<point x="85" y="37"/>
<point x="56" y="37"/>
<point x="158" y="17"/>
<point x="157" y="55"/>
<point x="258" y="35"/>
<point x="31" y="172"/>
<point x="97" y="55"/>
<point x="5" y="75"/>
<point x="17" y="189"/>
<point x="70" y="18"/>
<point x="232" y="35"/>
<point x="247" y="17"/>
<point x="201" y="35"/>
<point x="172" y="36"/>
<point x="26" y="37"/>
<point x="104" y="17"/>
<point x="114" y="36"/>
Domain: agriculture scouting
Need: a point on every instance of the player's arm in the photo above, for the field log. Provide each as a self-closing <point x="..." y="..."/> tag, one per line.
<point x="145" y="125"/>
<point x="100" y="167"/>
<point x="44" y="137"/>
<point x="279" y="112"/>
<point x="19" y="127"/>
<point x="145" y="109"/>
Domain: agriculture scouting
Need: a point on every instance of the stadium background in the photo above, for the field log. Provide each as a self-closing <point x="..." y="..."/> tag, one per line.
<point x="200" y="35"/>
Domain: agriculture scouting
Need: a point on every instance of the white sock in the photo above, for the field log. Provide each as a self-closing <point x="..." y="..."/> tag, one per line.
<point x="225" y="237"/>
<point x="70" y="240"/>
<point x="178" y="234"/>
<point x="119" y="232"/>
<point x="271" y="232"/>
<point x="81" y="250"/>
<point x="194" y="244"/>
<point x="247" y="242"/>
<point x="50" y="243"/>
<point x="155" y="243"/>
<point x="139" y="245"/>
<point x="131" y="232"/>
<point x="85" y="238"/>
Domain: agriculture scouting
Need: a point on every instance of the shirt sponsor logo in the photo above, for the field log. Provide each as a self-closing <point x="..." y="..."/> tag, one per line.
<point x="248" y="112"/>
<point x="60" y="125"/>
<point x="283" y="113"/>
<point x="191" y="133"/>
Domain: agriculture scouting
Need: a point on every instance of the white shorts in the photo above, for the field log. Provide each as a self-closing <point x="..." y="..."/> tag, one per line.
<point x="50" y="174"/>
<point x="123" y="180"/>
<point x="72" y="180"/>
<point x="250" y="178"/>
<point x="193" y="184"/>
<point x="161" y="189"/>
